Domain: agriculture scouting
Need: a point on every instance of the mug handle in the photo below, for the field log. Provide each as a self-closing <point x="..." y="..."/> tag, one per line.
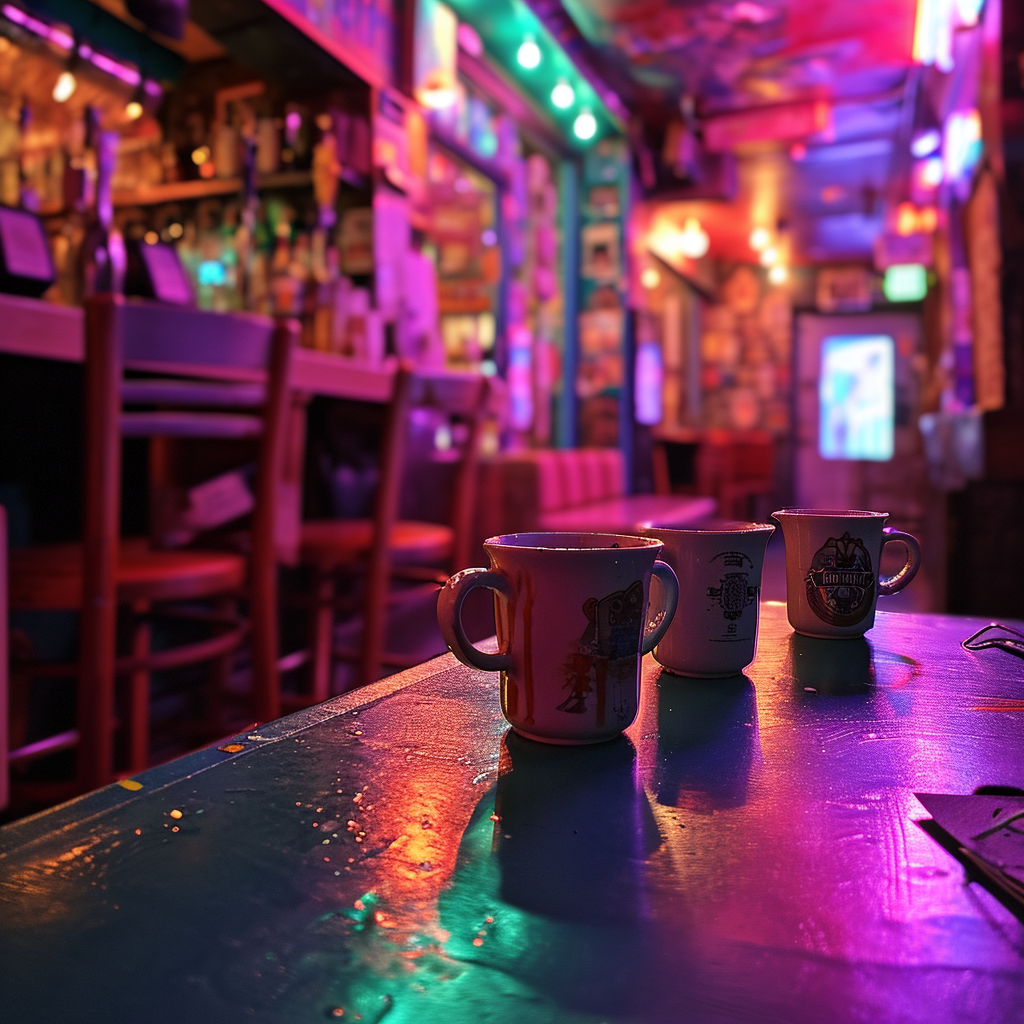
<point x="449" y="617"/>
<point x="894" y="584"/>
<point x="663" y="573"/>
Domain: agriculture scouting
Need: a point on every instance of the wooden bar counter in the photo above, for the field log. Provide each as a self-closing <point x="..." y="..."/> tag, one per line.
<point x="748" y="853"/>
<point x="43" y="330"/>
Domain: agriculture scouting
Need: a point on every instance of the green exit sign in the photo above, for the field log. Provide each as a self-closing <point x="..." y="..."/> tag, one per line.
<point x="905" y="282"/>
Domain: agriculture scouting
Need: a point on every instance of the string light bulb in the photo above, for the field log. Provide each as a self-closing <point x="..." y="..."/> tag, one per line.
<point x="760" y="239"/>
<point x="650" y="278"/>
<point x="694" y="241"/>
<point x="529" y="54"/>
<point x="65" y="86"/>
<point x="585" y="125"/>
<point x="769" y="256"/>
<point x="778" y="274"/>
<point x="563" y="95"/>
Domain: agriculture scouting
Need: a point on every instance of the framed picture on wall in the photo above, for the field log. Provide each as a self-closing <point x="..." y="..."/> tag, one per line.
<point x="601" y="257"/>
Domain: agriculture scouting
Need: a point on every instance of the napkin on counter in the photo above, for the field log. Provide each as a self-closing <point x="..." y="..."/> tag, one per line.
<point x="988" y="832"/>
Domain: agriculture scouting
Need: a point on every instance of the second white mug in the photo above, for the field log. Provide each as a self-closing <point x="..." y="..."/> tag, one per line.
<point x="714" y="631"/>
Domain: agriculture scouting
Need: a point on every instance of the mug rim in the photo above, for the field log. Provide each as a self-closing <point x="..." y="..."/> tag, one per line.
<point x="507" y="541"/>
<point x="730" y="528"/>
<point x="831" y="513"/>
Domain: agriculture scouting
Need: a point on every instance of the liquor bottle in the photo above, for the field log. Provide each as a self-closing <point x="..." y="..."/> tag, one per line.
<point x="282" y="284"/>
<point x="101" y="259"/>
<point x="10" y="159"/>
<point x="28" y="195"/>
<point x="245" y="237"/>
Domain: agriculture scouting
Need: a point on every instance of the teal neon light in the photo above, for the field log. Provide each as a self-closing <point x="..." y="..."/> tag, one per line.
<point x="505" y="26"/>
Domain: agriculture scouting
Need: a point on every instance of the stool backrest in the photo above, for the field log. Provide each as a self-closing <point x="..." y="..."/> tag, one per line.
<point x="460" y="398"/>
<point x="200" y="369"/>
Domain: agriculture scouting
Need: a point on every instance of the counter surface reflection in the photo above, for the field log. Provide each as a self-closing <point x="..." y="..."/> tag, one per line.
<point x="747" y="852"/>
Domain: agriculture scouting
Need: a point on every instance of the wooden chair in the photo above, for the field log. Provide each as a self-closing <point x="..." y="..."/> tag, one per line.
<point x="734" y="467"/>
<point x="386" y="548"/>
<point x="194" y="375"/>
<point x="746" y="475"/>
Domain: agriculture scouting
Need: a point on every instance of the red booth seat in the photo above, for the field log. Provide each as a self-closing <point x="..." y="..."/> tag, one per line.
<point x="573" y="489"/>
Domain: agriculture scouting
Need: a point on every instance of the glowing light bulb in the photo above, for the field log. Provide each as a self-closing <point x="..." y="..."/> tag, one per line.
<point x="133" y="110"/>
<point x="694" y="240"/>
<point x="65" y="87"/>
<point x="926" y="142"/>
<point x="650" y="278"/>
<point x="759" y="239"/>
<point x="585" y="125"/>
<point x="778" y="274"/>
<point x="529" y="54"/>
<point x="769" y="256"/>
<point x="563" y="95"/>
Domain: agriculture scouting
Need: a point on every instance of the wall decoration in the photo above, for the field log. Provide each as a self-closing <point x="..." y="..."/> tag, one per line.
<point x="601" y="256"/>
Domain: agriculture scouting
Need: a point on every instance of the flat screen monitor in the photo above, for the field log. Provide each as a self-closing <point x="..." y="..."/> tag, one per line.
<point x="856" y="393"/>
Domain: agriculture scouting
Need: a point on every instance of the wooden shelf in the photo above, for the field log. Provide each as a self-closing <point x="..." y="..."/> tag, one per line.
<point x="178" y="191"/>
<point x="185" y="191"/>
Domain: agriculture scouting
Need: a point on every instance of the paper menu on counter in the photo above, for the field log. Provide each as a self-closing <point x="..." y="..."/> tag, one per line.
<point x="989" y="830"/>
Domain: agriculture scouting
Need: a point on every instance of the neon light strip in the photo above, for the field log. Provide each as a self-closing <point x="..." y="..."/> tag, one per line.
<point x="933" y="34"/>
<point x="55" y="35"/>
<point x="66" y="41"/>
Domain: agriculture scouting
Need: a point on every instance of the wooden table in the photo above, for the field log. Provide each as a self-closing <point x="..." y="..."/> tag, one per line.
<point x="748" y="854"/>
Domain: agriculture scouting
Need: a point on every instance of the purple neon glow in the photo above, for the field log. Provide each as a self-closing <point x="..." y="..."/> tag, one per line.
<point x="56" y="35"/>
<point x="66" y="41"/>
<point x="112" y="67"/>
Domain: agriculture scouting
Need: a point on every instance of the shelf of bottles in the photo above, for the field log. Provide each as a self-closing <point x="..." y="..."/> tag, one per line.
<point x="265" y="196"/>
<point x="266" y="199"/>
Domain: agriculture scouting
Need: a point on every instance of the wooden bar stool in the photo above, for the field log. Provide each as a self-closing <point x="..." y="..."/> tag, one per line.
<point x="385" y="548"/>
<point x="160" y="372"/>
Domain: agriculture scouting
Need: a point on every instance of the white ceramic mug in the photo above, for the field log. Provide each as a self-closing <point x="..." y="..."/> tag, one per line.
<point x="832" y="581"/>
<point x="572" y="617"/>
<point x="714" y="631"/>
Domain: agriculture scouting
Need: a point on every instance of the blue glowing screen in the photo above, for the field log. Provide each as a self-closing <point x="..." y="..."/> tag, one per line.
<point x="857" y="396"/>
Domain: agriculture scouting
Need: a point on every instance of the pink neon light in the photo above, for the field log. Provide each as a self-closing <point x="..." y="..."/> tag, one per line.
<point x="56" y="35"/>
<point x="66" y="41"/>
<point x="112" y="67"/>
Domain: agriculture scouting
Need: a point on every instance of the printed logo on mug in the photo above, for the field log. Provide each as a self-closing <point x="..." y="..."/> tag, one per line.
<point x="572" y="618"/>
<point x="832" y="558"/>
<point x="714" y="632"/>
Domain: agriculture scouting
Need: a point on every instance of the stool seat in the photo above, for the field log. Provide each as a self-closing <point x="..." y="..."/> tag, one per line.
<point x="336" y="543"/>
<point x="49" y="576"/>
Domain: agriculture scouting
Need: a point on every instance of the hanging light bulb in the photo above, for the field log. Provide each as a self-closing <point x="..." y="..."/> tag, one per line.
<point x="769" y="256"/>
<point x="65" y="87"/>
<point x="760" y="239"/>
<point x="650" y="278"/>
<point x="563" y="95"/>
<point x="585" y="125"/>
<point x="694" y="240"/>
<point x="529" y="54"/>
<point x="134" y="108"/>
<point x="778" y="274"/>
